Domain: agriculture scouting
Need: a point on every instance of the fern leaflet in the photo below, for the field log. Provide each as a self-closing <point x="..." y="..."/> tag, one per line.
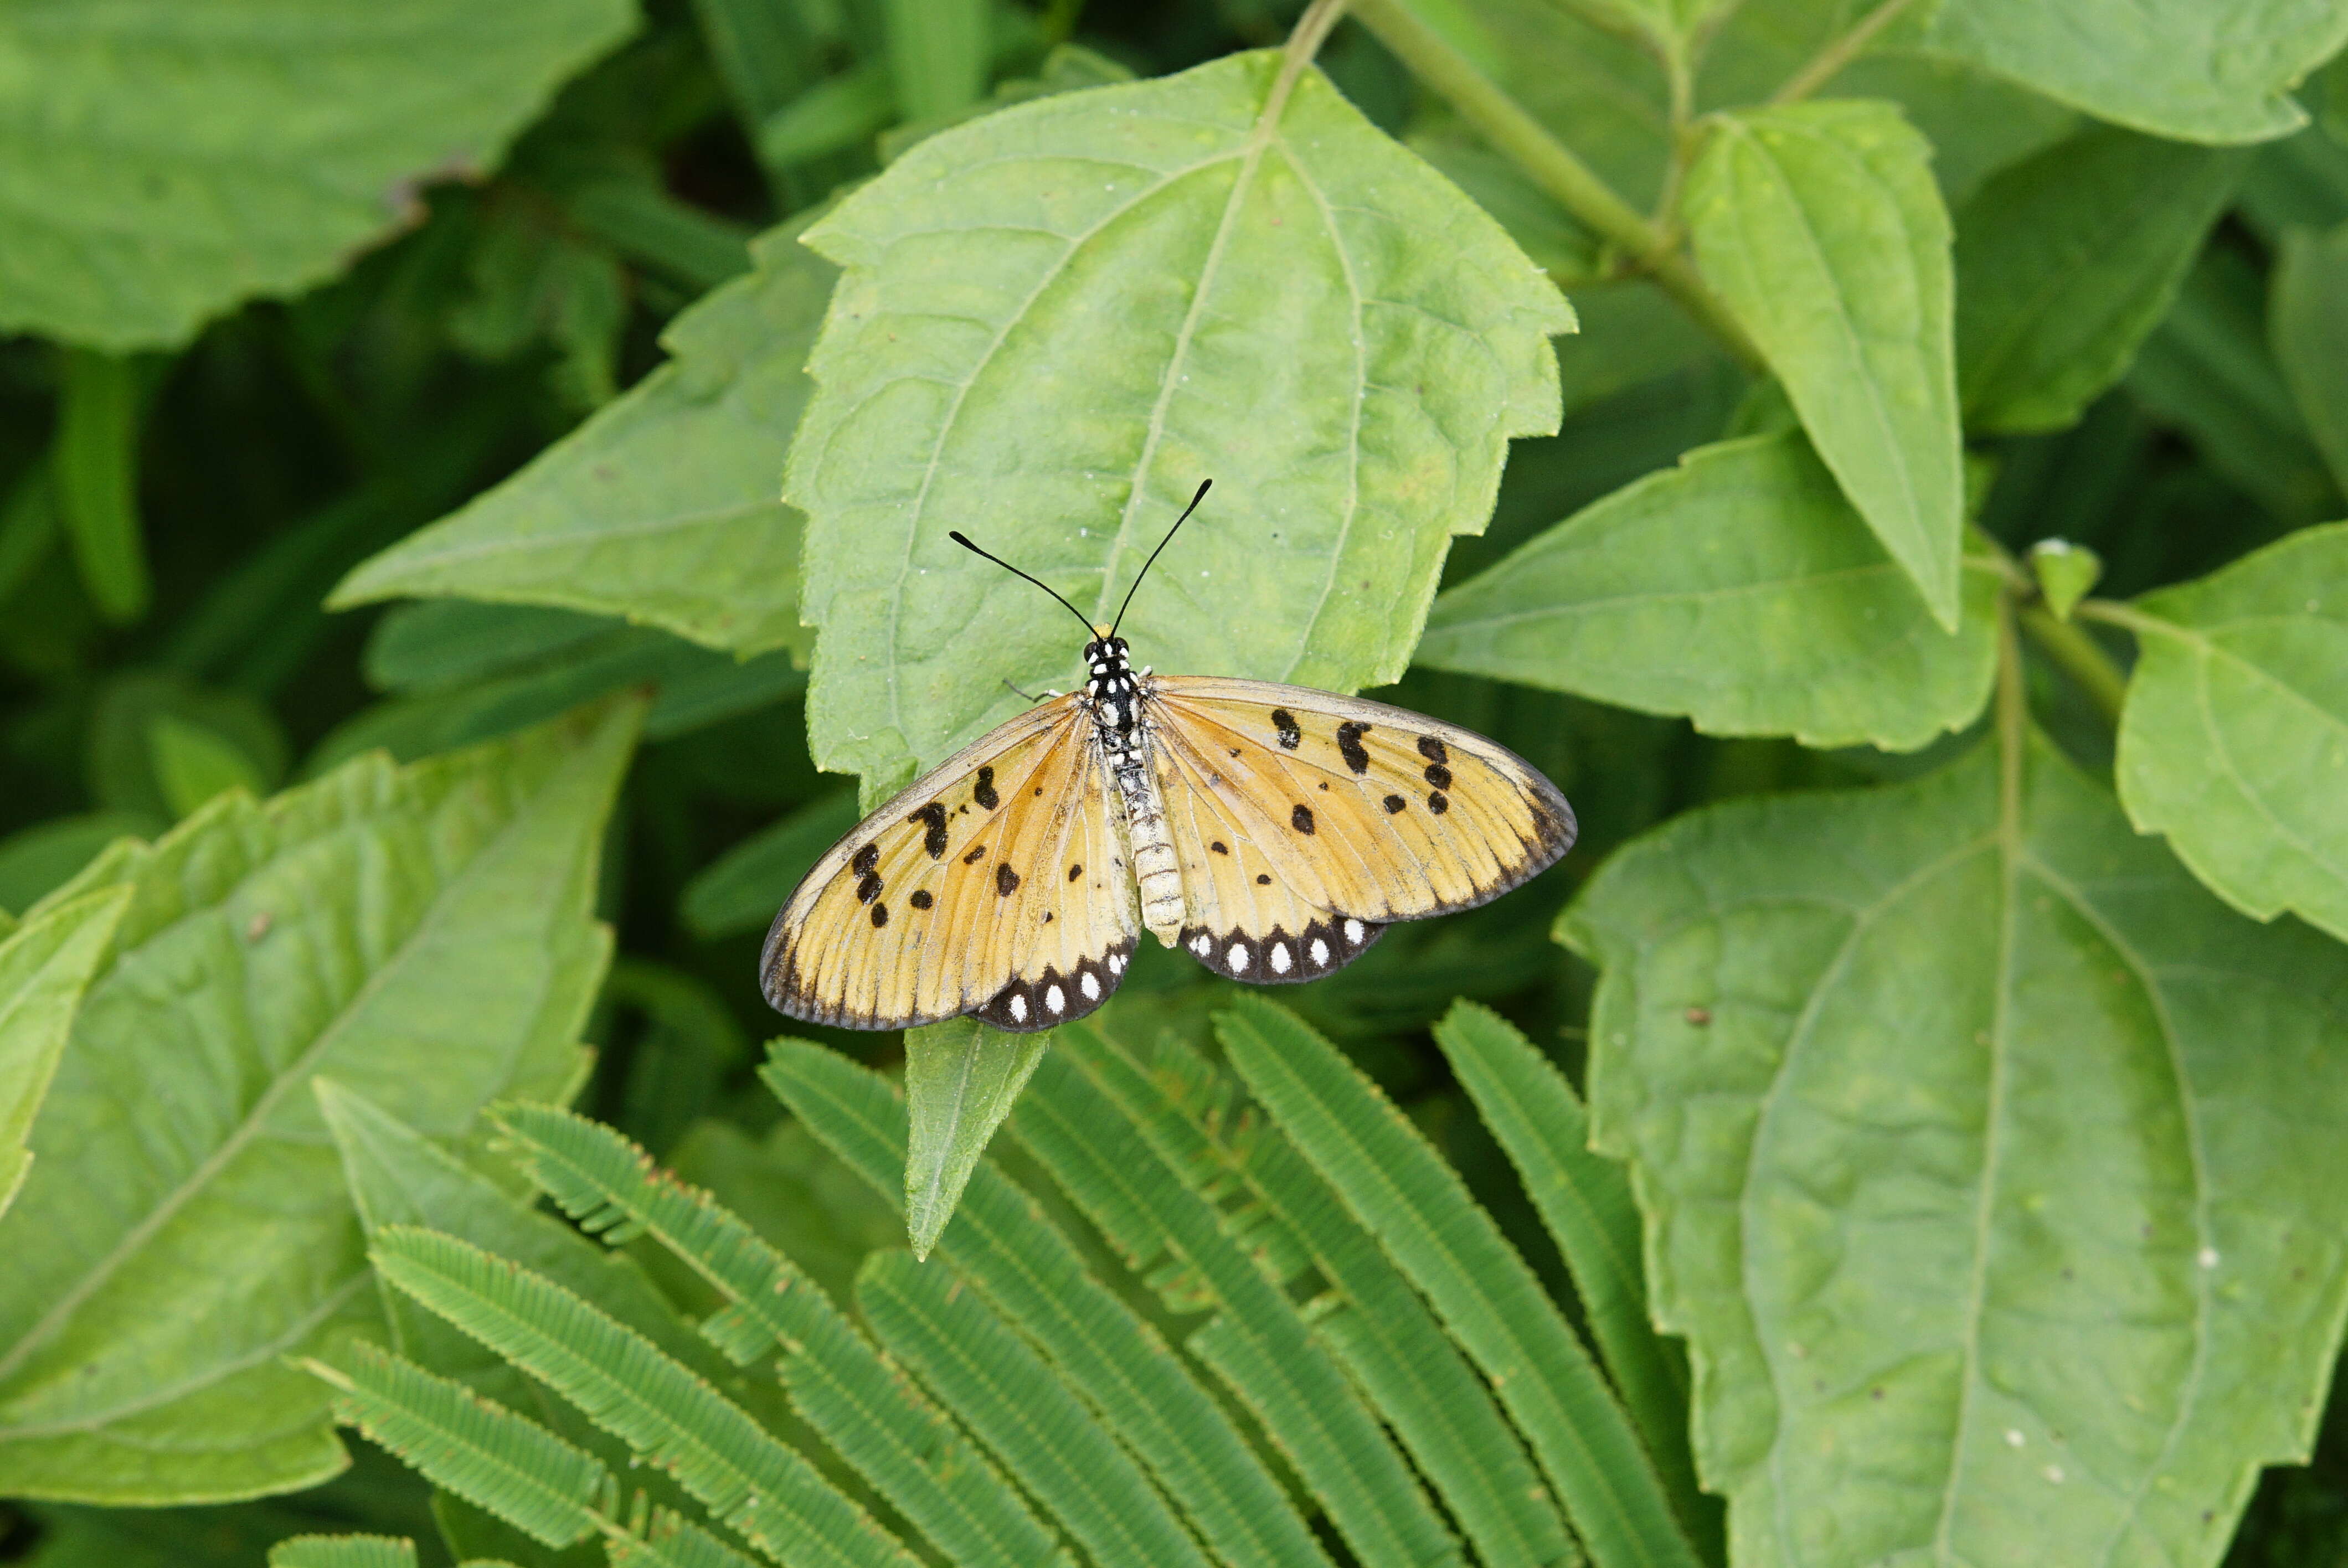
<point x="471" y="1446"/>
<point x="896" y="1438"/>
<point x="628" y="1385"/>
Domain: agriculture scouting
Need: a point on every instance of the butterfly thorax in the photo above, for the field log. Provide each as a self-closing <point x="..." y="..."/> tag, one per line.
<point x="1122" y="742"/>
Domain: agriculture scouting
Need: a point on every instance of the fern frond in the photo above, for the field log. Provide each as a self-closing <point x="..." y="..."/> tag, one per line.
<point x="1584" y="1201"/>
<point x="342" y="1551"/>
<point x="635" y="1391"/>
<point x="1027" y="1416"/>
<point x="1373" y="1321"/>
<point x="672" y="1541"/>
<point x="471" y="1446"/>
<point x="1401" y="1190"/>
<point x="894" y="1436"/>
<point x="1083" y="1116"/>
<point x="1001" y="1244"/>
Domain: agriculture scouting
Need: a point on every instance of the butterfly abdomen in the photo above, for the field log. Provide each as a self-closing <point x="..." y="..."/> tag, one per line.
<point x="1149" y="848"/>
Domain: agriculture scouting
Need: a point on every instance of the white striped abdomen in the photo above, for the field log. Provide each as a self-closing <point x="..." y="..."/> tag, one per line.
<point x="1147" y="848"/>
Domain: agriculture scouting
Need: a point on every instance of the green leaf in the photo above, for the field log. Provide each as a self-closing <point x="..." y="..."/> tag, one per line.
<point x="396" y="1176"/>
<point x="1085" y="1122"/>
<point x="165" y="166"/>
<point x="1034" y="1423"/>
<point x="2207" y="371"/>
<point x="1584" y="1201"/>
<point x="121" y="760"/>
<point x="1820" y="225"/>
<point x="2065" y="261"/>
<point x="422" y="935"/>
<point x="2178" y="69"/>
<point x="46" y="965"/>
<point x="742" y="888"/>
<point x="28" y="527"/>
<point x="1399" y="1189"/>
<point x="961" y="1080"/>
<point x="748" y="1479"/>
<point x="937" y="53"/>
<point x="1056" y="319"/>
<point x="38" y="860"/>
<point x="2307" y="326"/>
<point x="835" y="114"/>
<point x="1371" y="1318"/>
<point x="1001" y="1242"/>
<point x="1739" y="588"/>
<point x="906" y="1446"/>
<point x="672" y="1541"/>
<point x="194" y="763"/>
<point x="94" y="472"/>
<point x="2064" y="573"/>
<point x="663" y="507"/>
<point x="1983" y="1222"/>
<point x="548" y="1488"/>
<point x="342" y="1551"/>
<point x="2234" y="740"/>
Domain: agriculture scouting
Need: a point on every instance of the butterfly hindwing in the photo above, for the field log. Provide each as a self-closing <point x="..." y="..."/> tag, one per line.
<point x="993" y="885"/>
<point x="1304" y="821"/>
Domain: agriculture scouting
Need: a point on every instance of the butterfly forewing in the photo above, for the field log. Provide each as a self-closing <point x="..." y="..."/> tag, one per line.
<point x="995" y="885"/>
<point x="1304" y="821"/>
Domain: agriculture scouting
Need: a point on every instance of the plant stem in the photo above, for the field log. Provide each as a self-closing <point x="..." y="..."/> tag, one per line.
<point x="1550" y="163"/>
<point x="2013" y="724"/>
<point x="1828" y="62"/>
<point x="2080" y="657"/>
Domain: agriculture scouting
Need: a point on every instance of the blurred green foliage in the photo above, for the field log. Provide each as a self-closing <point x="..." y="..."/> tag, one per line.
<point x="413" y="663"/>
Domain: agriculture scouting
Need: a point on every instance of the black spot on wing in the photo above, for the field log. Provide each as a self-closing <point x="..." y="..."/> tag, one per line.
<point x="932" y="818"/>
<point x="1283" y="723"/>
<point x="1219" y="847"/>
<point x="868" y="888"/>
<point x="1075" y="872"/>
<point x="1007" y="881"/>
<point x="1438" y="775"/>
<point x="920" y="899"/>
<point x="880" y="916"/>
<point x="866" y="860"/>
<point x="1264" y="879"/>
<point x="1439" y="803"/>
<point x="984" y="792"/>
<point x="1301" y="818"/>
<point x="1433" y="750"/>
<point x="1350" y="747"/>
<point x="1394" y="803"/>
<point x="977" y="853"/>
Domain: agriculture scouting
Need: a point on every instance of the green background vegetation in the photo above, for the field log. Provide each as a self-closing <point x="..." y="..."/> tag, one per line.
<point x="1908" y="1127"/>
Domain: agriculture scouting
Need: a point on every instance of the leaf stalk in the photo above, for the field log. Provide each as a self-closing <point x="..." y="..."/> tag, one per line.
<point x="1514" y="132"/>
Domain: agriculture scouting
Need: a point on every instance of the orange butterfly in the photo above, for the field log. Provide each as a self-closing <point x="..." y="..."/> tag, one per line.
<point x="1271" y="831"/>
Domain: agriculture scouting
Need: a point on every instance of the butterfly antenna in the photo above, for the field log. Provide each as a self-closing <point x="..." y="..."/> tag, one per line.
<point x="961" y="538"/>
<point x="1204" y="484"/>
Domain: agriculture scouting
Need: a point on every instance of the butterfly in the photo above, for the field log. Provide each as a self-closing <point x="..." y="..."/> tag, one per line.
<point x="1272" y="832"/>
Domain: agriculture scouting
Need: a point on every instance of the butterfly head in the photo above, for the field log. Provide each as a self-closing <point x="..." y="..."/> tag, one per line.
<point x="1110" y="682"/>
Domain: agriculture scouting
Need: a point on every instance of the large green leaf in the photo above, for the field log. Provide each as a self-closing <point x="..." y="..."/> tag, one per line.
<point x="1738" y="589"/>
<point x="2234" y="741"/>
<point x="2184" y="68"/>
<point x="158" y="164"/>
<point x="1054" y="320"/>
<point x="2307" y="325"/>
<point x="422" y="935"/>
<point x="2065" y="261"/>
<point x="1989" y="1165"/>
<point x="45" y="968"/>
<point x="1821" y="226"/>
<point x="663" y="507"/>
